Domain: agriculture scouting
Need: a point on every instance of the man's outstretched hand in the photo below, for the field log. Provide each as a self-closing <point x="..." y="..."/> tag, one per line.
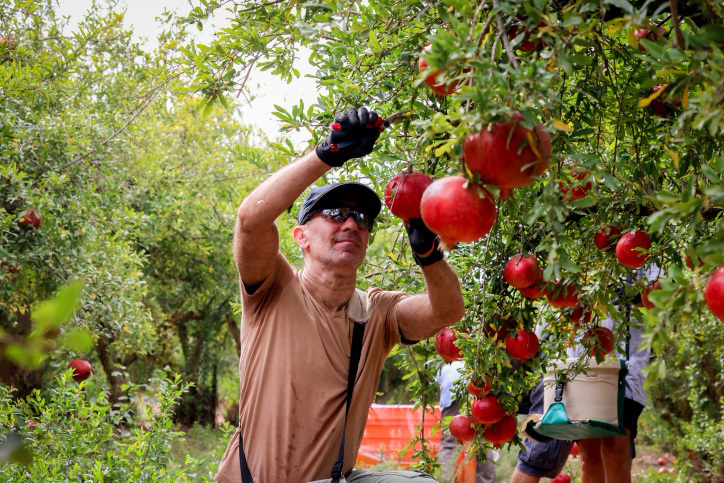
<point x="353" y="135"/>
<point x="424" y="243"/>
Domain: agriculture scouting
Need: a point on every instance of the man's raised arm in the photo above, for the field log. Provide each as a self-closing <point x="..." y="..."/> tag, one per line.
<point x="256" y="238"/>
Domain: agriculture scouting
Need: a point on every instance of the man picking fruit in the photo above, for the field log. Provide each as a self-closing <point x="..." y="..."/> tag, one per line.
<point x="301" y="330"/>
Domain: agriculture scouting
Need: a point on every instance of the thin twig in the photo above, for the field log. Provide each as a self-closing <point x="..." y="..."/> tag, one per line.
<point x="501" y="34"/>
<point x="675" y="20"/>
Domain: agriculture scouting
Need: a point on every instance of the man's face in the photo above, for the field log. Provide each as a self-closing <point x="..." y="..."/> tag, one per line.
<point x="335" y="238"/>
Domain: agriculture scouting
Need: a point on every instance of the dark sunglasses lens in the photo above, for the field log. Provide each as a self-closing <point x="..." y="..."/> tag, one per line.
<point x="340" y="215"/>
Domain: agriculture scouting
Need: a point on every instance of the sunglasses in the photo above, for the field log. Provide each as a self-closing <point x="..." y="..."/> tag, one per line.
<point x="340" y="215"/>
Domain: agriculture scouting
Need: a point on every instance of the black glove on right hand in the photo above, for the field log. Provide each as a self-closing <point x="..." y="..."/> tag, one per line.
<point x="424" y="243"/>
<point x="354" y="138"/>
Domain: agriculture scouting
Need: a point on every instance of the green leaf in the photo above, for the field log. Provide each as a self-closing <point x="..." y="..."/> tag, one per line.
<point x="78" y="340"/>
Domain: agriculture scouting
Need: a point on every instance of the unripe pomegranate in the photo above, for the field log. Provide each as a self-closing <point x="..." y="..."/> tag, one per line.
<point x="433" y="80"/>
<point x="606" y="239"/>
<point x="645" y="294"/>
<point x="523" y="346"/>
<point x="458" y="211"/>
<point x="445" y="345"/>
<point x="487" y="410"/>
<point x="508" y="155"/>
<point x="81" y="369"/>
<point x="403" y="194"/>
<point x="503" y="431"/>
<point x="599" y="341"/>
<point x="561" y="296"/>
<point x="631" y="249"/>
<point x="714" y="293"/>
<point x="522" y="272"/>
<point x="463" y="428"/>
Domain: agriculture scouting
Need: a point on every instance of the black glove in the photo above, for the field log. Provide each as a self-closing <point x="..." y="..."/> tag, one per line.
<point x="424" y="243"/>
<point x="358" y="131"/>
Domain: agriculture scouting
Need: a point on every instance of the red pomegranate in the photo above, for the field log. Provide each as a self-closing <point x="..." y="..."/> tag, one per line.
<point x="562" y="478"/>
<point x="433" y="80"/>
<point x="691" y="264"/>
<point x="645" y="295"/>
<point x="561" y="296"/>
<point x="522" y="272"/>
<point x="503" y="431"/>
<point x="504" y="155"/>
<point x="580" y="315"/>
<point x="445" y="345"/>
<point x="606" y="239"/>
<point x="535" y="291"/>
<point x="599" y="341"/>
<point x="6" y="266"/>
<point x="577" y="192"/>
<point x="523" y="346"/>
<point x="653" y="34"/>
<point x="30" y="220"/>
<point x="499" y="328"/>
<point x="403" y="194"/>
<point x="574" y="450"/>
<point x="487" y="410"/>
<point x="714" y="293"/>
<point x="478" y="389"/>
<point x="526" y="45"/>
<point x="81" y="369"/>
<point x="463" y="428"/>
<point x="629" y="249"/>
<point x="458" y="211"/>
<point x="659" y="106"/>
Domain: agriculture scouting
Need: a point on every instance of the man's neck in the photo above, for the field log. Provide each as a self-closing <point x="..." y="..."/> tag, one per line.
<point x="333" y="288"/>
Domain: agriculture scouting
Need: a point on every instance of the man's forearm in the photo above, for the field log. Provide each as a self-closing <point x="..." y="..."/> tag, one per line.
<point x="275" y="195"/>
<point x="443" y="290"/>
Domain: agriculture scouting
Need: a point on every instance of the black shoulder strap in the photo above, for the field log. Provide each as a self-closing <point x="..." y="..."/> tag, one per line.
<point x="356" y="351"/>
<point x="357" y="336"/>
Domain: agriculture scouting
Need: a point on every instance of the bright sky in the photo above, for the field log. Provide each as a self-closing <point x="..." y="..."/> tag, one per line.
<point x="269" y="90"/>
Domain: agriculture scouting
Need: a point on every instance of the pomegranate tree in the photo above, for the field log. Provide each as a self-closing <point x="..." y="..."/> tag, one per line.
<point x="536" y="290"/>
<point x="478" y="389"/>
<point x="30" y="220"/>
<point x="606" y="238"/>
<point x="523" y="346"/>
<point x="81" y="369"/>
<point x="457" y="210"/>
<point x="598" y="341"/>
<point x="508" y="155"/>
<point x="445" y="345"/>
<point x="714" y="293"/>
<point x="632" y="248"/>
<point x="521" y="272"/>
<point x="500" y="328"/>
<point x="403" y="194"/>
<point x="526" y="45"/>
<point x="645" y="294"/>
<point x="487" y="410"/>
<point x="463" y="428"/>
<point x="433" y="80"/>
<point x="659" y="106"/>
<point x="561" y="296"/>
<point x="654" y="34"/>
<point x="577" y="192"/>
<point x="503" y="431"/>
<point x="580" y="315"/>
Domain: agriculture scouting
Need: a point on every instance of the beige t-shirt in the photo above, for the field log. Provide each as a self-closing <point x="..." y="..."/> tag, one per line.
<point x="293" y="369"/>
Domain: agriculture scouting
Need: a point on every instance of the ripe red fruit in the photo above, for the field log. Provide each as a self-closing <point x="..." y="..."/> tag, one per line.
<point x="526" y="45"/>
<point x="578" y="192"/>
<point x="504" y="156"/>
<point x="445" y="345"/>
<point x="714" y="293"/>
<point x="580" y="315"/>
<point x="458" y="211"/>
<point x="502" y="431"/>
<point x="403" y="194"/>
<point x="502" y="329"/>
<point x="606" y="239"/>
<point x="599" y="341"/>
<point x="627" y="249"/>
<point x="536" y="290"/>
<point x="645" y="295"/>
<point x="522" y="272"/>
<point x="653" y="34"/>
<point x="523" y="346"/>
<point x="478" y="389"/>
<point x="659" y="106"/>
<point x="81" y="369"/>
<point x="463" y="428"/>
<point x="561" y="296"/>
<point x="30" y="219"/>
<point x="662" y="461"/>
<point x="575" y="451"/>
<point x="562" y="478"/>
<point x="6" y="266"/>
<point x="690" y="263"/>
<point x="432" y="80"/>
<point x="487" y="410"/>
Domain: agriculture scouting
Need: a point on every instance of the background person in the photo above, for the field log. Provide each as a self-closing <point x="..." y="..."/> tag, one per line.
<point x="296" y="329"/>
